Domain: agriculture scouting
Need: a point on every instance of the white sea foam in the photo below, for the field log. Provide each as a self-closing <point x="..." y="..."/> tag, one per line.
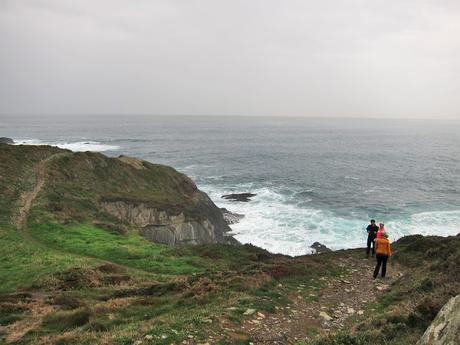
<point x="441" y="223"/>
<point x="351" y="177"/>
<point x="79" y="146"/>
<point x="273" y="222"/>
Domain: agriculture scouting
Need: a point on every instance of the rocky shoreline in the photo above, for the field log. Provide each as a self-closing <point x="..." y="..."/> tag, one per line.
<point x="231" y="217"/>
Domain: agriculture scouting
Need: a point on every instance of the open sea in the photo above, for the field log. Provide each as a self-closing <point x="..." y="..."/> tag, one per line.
<point x="315" y="179"/>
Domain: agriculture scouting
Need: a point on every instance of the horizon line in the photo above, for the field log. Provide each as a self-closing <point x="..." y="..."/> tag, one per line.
<point x="452" y="118"/>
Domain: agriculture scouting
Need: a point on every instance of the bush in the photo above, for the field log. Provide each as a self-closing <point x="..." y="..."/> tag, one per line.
<point x="9" y="319"/>
<point x="64" y="321"/>
<point x="99" y="325"/>
<point x="68" y="302"/>
<point x="345" y="339"/>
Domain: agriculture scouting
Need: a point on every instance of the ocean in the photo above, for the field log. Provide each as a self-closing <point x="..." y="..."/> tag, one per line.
<point x="315" y="179"/>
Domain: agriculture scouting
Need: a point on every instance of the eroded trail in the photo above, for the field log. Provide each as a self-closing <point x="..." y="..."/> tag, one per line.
<point x="38" y="308"/>
<point x="321" y="310"/>
<point x="20" y="219"/>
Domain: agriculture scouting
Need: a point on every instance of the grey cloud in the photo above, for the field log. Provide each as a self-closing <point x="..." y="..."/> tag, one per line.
<point x="299" y="58"/>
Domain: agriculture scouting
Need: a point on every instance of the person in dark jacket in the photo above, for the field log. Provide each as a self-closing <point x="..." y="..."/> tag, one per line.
<point x="371" y="234"/>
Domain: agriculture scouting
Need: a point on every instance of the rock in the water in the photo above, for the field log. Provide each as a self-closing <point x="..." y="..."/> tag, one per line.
<point x="445" y="328"/>
<point x="320" y="248"/>
<point x="243" y="197"/>
<point x="230" y="217"/>
<point x="5" y="140"/>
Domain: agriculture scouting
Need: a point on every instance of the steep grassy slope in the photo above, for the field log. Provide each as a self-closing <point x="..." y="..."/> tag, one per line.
<point x="17" y="174"/>
<point x="64" y="223"/>
<point x="78" y="182"/>
<point x="21" y="261"/>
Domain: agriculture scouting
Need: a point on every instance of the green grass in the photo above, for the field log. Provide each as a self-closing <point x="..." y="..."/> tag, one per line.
<point x="17" y="174"/>
<point x="125" y="249"/>
<point x="266" y="298"/>
<point x="86" y="178"/>
<point x="25" y="262"/>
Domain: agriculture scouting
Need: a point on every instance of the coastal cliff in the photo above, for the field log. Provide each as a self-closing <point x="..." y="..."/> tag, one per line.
<point x="125" y="193"/>
<point x="84" y="261"/>
<point x="175" y="229"/>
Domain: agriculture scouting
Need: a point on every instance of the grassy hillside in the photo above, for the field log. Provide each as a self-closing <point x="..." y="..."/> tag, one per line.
<point x="85" y="178"/>
<point x="76" y="275"/>
<point x="65" y="226"/>
<point x="22" y="261"/>
<point x="17" y="174"/>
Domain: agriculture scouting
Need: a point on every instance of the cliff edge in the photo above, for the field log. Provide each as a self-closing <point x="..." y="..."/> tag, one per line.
<point x="123" y="194"/>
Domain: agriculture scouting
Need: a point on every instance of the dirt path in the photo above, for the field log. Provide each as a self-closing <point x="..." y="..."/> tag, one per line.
<point x="38" y="308"/>
<point x="320" y="310"/>
<point x="20" y="219"/>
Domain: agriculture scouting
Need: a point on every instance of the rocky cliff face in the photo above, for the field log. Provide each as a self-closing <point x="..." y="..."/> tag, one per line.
<point x="190" y="217"/>
<point x="445" y="328"/>
<point x="170" y="227"/>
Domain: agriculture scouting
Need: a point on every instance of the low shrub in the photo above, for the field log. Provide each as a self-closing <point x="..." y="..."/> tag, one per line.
<point x="345" y="339"/>
<point x="68" y="302"/>
<point x="62" y="321"/>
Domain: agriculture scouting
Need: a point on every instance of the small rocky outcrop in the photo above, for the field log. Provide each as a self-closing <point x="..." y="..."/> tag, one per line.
<point x="445" y="328"/>
<point x="134" y="162"/>
<point x="320" y="248"/>
<point x="242" y="197"/>
<point x="231" y="217"/>
<point x="5" y="140"/>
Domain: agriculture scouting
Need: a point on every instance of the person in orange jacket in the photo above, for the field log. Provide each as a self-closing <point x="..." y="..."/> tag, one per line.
<point x="383" y="252"/>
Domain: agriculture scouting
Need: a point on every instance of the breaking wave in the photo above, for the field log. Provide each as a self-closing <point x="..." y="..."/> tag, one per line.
<point x="275" y="222"/>
<point x="79" y="146"/>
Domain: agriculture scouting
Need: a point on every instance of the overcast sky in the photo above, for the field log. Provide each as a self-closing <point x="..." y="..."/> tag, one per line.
<point x="353" y="58"/>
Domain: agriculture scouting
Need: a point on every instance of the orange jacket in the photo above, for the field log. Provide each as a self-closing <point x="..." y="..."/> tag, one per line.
<point x="382" y="246"/>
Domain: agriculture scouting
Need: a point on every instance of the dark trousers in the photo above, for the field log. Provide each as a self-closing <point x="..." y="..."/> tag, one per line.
<point x="381" y="261"/>
<point x="370" y="242"/>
